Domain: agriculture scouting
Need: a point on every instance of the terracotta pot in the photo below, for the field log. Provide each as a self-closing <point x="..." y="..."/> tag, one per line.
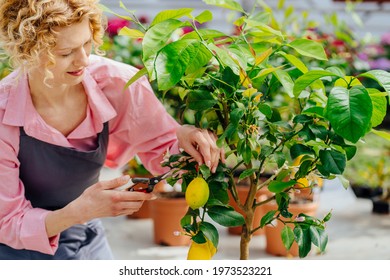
<point x="166" y="214"/>
<point x="259" y="212"/>
<point x="274" y="243"/>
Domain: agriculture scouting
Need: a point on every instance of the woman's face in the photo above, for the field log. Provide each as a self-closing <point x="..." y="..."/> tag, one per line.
<point x="74" y="45"/>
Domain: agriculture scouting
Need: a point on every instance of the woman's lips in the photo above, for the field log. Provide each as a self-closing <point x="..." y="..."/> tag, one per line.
<point x="76" y="73"/>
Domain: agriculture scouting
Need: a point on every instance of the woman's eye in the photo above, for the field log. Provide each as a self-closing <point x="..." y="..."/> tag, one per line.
<point x="66" y="55"/>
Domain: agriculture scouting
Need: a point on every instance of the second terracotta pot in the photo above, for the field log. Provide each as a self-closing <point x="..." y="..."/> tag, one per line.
<point x="166" y="214"/>
<point x="274" y="243"/>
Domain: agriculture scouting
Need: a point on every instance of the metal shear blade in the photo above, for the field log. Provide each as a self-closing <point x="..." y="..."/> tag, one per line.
<point x="151" y="183"/>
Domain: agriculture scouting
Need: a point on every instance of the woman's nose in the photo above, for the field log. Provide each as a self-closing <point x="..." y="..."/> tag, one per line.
<point x="82" y="58"/>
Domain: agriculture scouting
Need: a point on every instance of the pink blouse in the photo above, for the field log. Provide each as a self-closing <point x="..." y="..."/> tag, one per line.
<point x="138" y="124"/>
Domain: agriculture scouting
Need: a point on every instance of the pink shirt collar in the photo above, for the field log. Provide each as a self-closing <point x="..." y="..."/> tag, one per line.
<point x="20" y="111"/>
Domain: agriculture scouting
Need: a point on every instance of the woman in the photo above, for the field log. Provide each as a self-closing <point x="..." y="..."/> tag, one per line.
<point x="64" y="115"/>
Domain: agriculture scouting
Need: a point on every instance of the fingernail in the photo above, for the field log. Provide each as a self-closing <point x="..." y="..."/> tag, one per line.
<point x="208" y="163"/>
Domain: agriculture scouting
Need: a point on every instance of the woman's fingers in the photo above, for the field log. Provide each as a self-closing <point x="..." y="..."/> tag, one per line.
<point x="114" y="183"/>
<point x="201" y="145"/>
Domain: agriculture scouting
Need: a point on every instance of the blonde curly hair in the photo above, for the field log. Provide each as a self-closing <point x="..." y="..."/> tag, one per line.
<point x="27" y="27"/>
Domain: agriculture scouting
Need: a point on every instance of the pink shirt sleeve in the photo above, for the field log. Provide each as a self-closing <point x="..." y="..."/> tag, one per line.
<point x="142" y="126"/>
<point x="21" y="226"/>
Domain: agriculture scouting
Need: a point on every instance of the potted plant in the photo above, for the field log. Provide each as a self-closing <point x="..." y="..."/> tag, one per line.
<point x="369" y="172"/>
<point x="267" y="107"/>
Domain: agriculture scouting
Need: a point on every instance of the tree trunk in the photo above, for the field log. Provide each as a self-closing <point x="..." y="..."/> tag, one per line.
<point x="246" y="235"/>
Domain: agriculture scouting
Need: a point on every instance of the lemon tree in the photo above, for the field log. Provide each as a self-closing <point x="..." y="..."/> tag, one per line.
<point x="269" y="94"/>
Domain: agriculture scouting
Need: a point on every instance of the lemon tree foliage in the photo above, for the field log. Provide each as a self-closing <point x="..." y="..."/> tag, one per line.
<point x="270" y="97"/>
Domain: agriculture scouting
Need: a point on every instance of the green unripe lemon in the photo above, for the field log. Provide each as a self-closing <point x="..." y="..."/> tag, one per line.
<point x="197" y="193"/>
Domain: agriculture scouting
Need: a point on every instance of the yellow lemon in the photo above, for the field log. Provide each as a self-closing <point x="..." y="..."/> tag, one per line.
<point x="302" y="183"/>
<point x="197" y="193"/>
<point x="199" y="251"/>
<point x="212" y="248"/>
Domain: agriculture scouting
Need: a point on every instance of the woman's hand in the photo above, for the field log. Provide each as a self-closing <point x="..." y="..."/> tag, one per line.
<point x="201" y="145"/>
<point x="103" y="200"/>
<point x="99" y="200"/>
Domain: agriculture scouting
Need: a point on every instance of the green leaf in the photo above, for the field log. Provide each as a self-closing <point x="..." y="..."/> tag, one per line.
<point x="350" y="151"/>
<point x="295" y="61"/>
<point x="246" y="173"/>
<point x="265" y="28"/>
<point x="299" y="149"/>
<point x="287" y="237"/>
<point x="333" y="161"/>
<point x="206" y="34"/>
<point x="302" y="237"/>
<point x="309" y="48"/>
<point x="205" y="170"/>
<point x="381" y="76"/>
<point x="349" y="112"/>
<point x="265" y="109"/>
<point x="131" y="33"/>
<point x="286" y="81"/>
<point x="137" y="75"/>
<point x="318" y="237"/>
<point x="171" y="14"/>
<point x="280" y="158"/>
<point x="381" y="133"/>
<point x="218" y="192"/>
<point x="108" y="10"/>
<point x="203" y="17"/>
<point x="185" y="221"/>
<point x="277" y="186"/>
<point x="157" y="36"/>
<point x="210" y="231"/>
<point x="267" y="218"/>
<point x="308" y="78"/>
<point x="200" y="100"/>
<point x="225" y="58"/>
<point x="199" y="238"/>
<point x="228" y="4"/>
<point x="226" y="216"/>
<point x="236" y="115"/>
<point x="177" y="58"/>
<point x="246" y="152"/>
<point x="379" y="103"/>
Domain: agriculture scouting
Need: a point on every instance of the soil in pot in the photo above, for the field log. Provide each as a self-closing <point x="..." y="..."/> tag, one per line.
<point x="167" y="211"/>
<point x="274" y="244"/>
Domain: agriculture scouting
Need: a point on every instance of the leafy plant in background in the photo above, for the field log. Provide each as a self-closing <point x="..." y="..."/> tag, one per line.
<point x="267" y="107"/>
<point x="371" y="167"/>
<point x="4" y="68"/>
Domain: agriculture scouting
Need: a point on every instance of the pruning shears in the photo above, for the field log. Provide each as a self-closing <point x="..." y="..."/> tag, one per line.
<point x="150" y="183"/>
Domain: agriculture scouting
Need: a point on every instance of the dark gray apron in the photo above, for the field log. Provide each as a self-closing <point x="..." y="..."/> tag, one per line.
<point x="54" y="176"/>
